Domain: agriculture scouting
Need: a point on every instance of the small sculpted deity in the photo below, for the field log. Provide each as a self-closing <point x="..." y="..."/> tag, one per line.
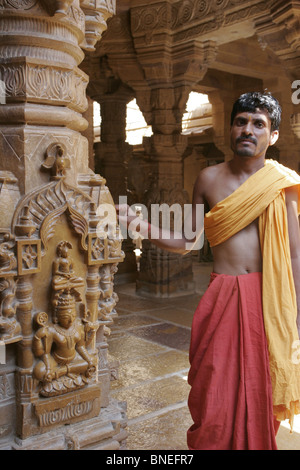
<point x="65" y="364"/>
<point x="64" y="278"/>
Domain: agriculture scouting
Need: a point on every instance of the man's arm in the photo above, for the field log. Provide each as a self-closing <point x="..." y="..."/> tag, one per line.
<point x="180" y="241"/>
<point x="291" y="197"/>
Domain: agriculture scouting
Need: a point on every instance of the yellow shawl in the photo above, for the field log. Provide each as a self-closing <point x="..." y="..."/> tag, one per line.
<point x="262" y="196"/>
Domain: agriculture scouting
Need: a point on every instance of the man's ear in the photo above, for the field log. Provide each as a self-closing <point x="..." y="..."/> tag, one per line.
<point x="274" y="137"/>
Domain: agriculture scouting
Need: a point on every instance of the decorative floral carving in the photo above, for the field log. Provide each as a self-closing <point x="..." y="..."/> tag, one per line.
<point x="18" y="4"/>
<point x="198" y="15"/>
<point x="5" y="390"/>
<point x="67" y="411"/>
<point x="29" y="256"/>
<point x="45" y="83"/>
<point x="98" y="248"/>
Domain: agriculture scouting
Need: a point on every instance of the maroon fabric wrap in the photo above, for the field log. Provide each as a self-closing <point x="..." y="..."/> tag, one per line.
<point x="231" y="394"/>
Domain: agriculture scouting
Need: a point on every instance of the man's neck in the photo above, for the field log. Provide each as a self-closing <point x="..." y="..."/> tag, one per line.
<point x="246" y="165"/>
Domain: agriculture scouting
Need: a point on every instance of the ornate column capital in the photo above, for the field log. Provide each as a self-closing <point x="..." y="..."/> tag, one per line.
<point x="91" y="16"/>
<point x="96" y="14"/>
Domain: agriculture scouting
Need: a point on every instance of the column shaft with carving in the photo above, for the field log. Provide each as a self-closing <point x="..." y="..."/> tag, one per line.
<point x="51" y="252"/>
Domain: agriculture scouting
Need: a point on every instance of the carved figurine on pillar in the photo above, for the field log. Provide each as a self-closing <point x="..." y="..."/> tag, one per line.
<point x="109" y="298"/>
<point x="9" y="326"/>
<point x="65" y="363"/>
<point x="64" y="279"/>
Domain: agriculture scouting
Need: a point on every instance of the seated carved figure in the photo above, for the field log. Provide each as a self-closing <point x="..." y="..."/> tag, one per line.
<point x="64" y="278"/>
<point x="65" y="363"/>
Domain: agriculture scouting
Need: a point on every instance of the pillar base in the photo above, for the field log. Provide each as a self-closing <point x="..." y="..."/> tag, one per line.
<point x="165" y="274"/>
<point x="107" y="431"/>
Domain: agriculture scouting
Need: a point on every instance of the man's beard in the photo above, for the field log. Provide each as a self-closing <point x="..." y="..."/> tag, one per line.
<point x="245" y="151"/>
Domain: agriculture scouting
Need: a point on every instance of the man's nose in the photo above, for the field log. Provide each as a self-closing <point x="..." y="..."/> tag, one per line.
<point x="248" y="128"/>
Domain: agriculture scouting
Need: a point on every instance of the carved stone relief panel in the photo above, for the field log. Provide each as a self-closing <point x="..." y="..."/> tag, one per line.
<point x="63" y="267"/>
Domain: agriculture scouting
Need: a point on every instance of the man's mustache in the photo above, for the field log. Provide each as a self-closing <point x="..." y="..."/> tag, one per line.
<point x="247" y="139"/>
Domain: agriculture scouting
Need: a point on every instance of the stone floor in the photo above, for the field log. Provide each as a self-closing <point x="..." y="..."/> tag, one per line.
<point x="150" y="339"/>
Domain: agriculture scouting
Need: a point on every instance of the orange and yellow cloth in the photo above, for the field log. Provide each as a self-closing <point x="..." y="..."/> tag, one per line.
<point x="262" y="196"/>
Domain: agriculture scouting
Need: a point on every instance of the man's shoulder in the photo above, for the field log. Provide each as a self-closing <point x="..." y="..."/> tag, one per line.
<point x="211" y="172"/>
<point x="208" y="180"/>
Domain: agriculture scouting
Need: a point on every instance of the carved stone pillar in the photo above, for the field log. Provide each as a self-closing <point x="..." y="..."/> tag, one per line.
<point x="165" y="274"/>
<point x="51" y="255"/>
<point x="172" y="67"/>
<point x="221" y="101"/>
<point x="113" y="152"/>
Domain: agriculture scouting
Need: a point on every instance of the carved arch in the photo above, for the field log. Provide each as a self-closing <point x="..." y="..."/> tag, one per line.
<point x="77" y="221"/>
<point x="38" y="212"/>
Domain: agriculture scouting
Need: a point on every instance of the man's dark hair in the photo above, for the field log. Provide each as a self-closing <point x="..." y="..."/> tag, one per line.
<point x="250" y="102"/>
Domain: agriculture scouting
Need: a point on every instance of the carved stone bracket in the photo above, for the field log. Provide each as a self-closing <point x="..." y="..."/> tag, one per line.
<point x="280" y="31"/>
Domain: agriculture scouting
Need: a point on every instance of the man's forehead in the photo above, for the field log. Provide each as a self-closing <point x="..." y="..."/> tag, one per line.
<point x="257" y="114"/>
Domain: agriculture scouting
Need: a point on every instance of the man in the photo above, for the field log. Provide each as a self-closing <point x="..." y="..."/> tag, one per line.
<point x="243" y="378"/>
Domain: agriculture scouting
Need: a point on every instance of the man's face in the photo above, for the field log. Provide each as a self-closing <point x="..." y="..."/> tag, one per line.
<point x="251" y="134"/>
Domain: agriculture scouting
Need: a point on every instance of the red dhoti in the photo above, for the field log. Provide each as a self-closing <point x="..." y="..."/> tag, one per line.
<point x="231" y="393"/>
